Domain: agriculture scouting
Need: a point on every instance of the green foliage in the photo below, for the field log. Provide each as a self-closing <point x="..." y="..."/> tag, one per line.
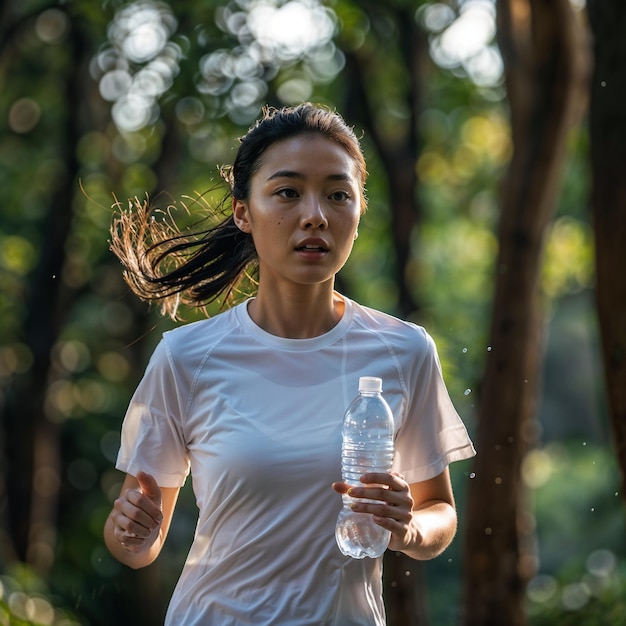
<point x="580" y="531"/>
<point x="25" y="600"/>
<point x="604" y="609"/>
<point x="576" y="496"/>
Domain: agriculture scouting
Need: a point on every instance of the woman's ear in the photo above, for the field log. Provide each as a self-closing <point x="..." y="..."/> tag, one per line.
<point x="241" y="215"/>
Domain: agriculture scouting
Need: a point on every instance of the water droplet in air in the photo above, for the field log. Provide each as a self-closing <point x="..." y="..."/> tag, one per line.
<point x="464" y="350"/>
<point x="467" y="392"/>
<point x="488" y="348"/>
<point x="473" y="475"/>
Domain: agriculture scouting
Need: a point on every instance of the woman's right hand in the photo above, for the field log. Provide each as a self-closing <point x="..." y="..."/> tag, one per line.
<point x="137" y="514"/>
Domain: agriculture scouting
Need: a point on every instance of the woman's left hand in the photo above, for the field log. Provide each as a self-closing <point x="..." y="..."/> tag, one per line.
<point x="393" y="509"/>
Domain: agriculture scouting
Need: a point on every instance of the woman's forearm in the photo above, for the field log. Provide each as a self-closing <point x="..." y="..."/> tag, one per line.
<point x="432" y="529"/>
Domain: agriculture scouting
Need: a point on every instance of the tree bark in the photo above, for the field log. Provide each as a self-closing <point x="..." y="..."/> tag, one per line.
<point x="33" y="472"/>
<point x="541" y="45"/>
<point x="404" y="578"/>
<point x="398" y="155"/>
<point x="608" y="203"/>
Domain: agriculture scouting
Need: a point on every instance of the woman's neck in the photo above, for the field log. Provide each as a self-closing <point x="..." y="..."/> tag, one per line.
<point x="301" y="313"/>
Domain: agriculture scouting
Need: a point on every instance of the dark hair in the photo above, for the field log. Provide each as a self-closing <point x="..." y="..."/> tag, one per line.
<point x="195" y="268"/>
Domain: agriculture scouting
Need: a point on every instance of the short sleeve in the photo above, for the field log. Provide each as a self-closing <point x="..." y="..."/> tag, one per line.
<point x="431" y="435"/>
<point x="152" y="437"/>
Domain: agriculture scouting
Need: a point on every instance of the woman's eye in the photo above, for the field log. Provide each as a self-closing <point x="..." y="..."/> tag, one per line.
<point x="340" y="196"/>
<point x="288" y="193"/>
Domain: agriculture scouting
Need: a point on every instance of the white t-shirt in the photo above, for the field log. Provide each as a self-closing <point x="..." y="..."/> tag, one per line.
<point x="257" y="420"/>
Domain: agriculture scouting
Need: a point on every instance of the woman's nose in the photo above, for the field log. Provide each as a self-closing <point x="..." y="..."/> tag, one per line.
<point x="313" y="215"/>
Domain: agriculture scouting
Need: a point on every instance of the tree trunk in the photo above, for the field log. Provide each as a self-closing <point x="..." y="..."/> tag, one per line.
<point x="33" y="470"/>
<point x="398" y="155"/>
<point x="540" y="43"/>
<point x="404" y="578"/>
<point x="608" y="203"/>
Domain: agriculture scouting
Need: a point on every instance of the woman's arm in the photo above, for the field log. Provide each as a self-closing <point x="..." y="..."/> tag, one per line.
<point x="421" y="516"/>
<point x="137" y="526"/>
<point x="433" y="520"/>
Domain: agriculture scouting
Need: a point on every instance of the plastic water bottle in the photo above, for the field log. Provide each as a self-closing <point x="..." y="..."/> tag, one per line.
<point x="367" y="447"/>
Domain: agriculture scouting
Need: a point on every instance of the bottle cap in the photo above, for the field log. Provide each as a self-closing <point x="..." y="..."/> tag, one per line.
<point x="371" y="384"/>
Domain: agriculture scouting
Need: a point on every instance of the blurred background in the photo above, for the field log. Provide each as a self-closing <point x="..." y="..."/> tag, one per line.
<point x="477" y="121"/>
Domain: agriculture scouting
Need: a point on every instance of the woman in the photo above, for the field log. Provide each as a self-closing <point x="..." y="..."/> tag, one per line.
<point x="251" y="401"/>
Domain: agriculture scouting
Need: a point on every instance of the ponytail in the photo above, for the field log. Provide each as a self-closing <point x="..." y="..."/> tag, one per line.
<point x="163" y="264"/>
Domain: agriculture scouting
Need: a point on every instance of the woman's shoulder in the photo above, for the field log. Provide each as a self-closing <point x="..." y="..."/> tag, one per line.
<point x="390" y="325"/>
<point x="409" y="342"/>
<point x="200" y="335"/>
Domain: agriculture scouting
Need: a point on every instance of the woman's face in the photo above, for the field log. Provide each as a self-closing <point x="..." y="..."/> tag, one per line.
<point x="303" y="210"/>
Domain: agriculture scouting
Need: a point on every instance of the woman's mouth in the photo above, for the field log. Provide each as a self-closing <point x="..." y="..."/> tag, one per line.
<point x="312" y="249"/>
<point x="312" y="245"/>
